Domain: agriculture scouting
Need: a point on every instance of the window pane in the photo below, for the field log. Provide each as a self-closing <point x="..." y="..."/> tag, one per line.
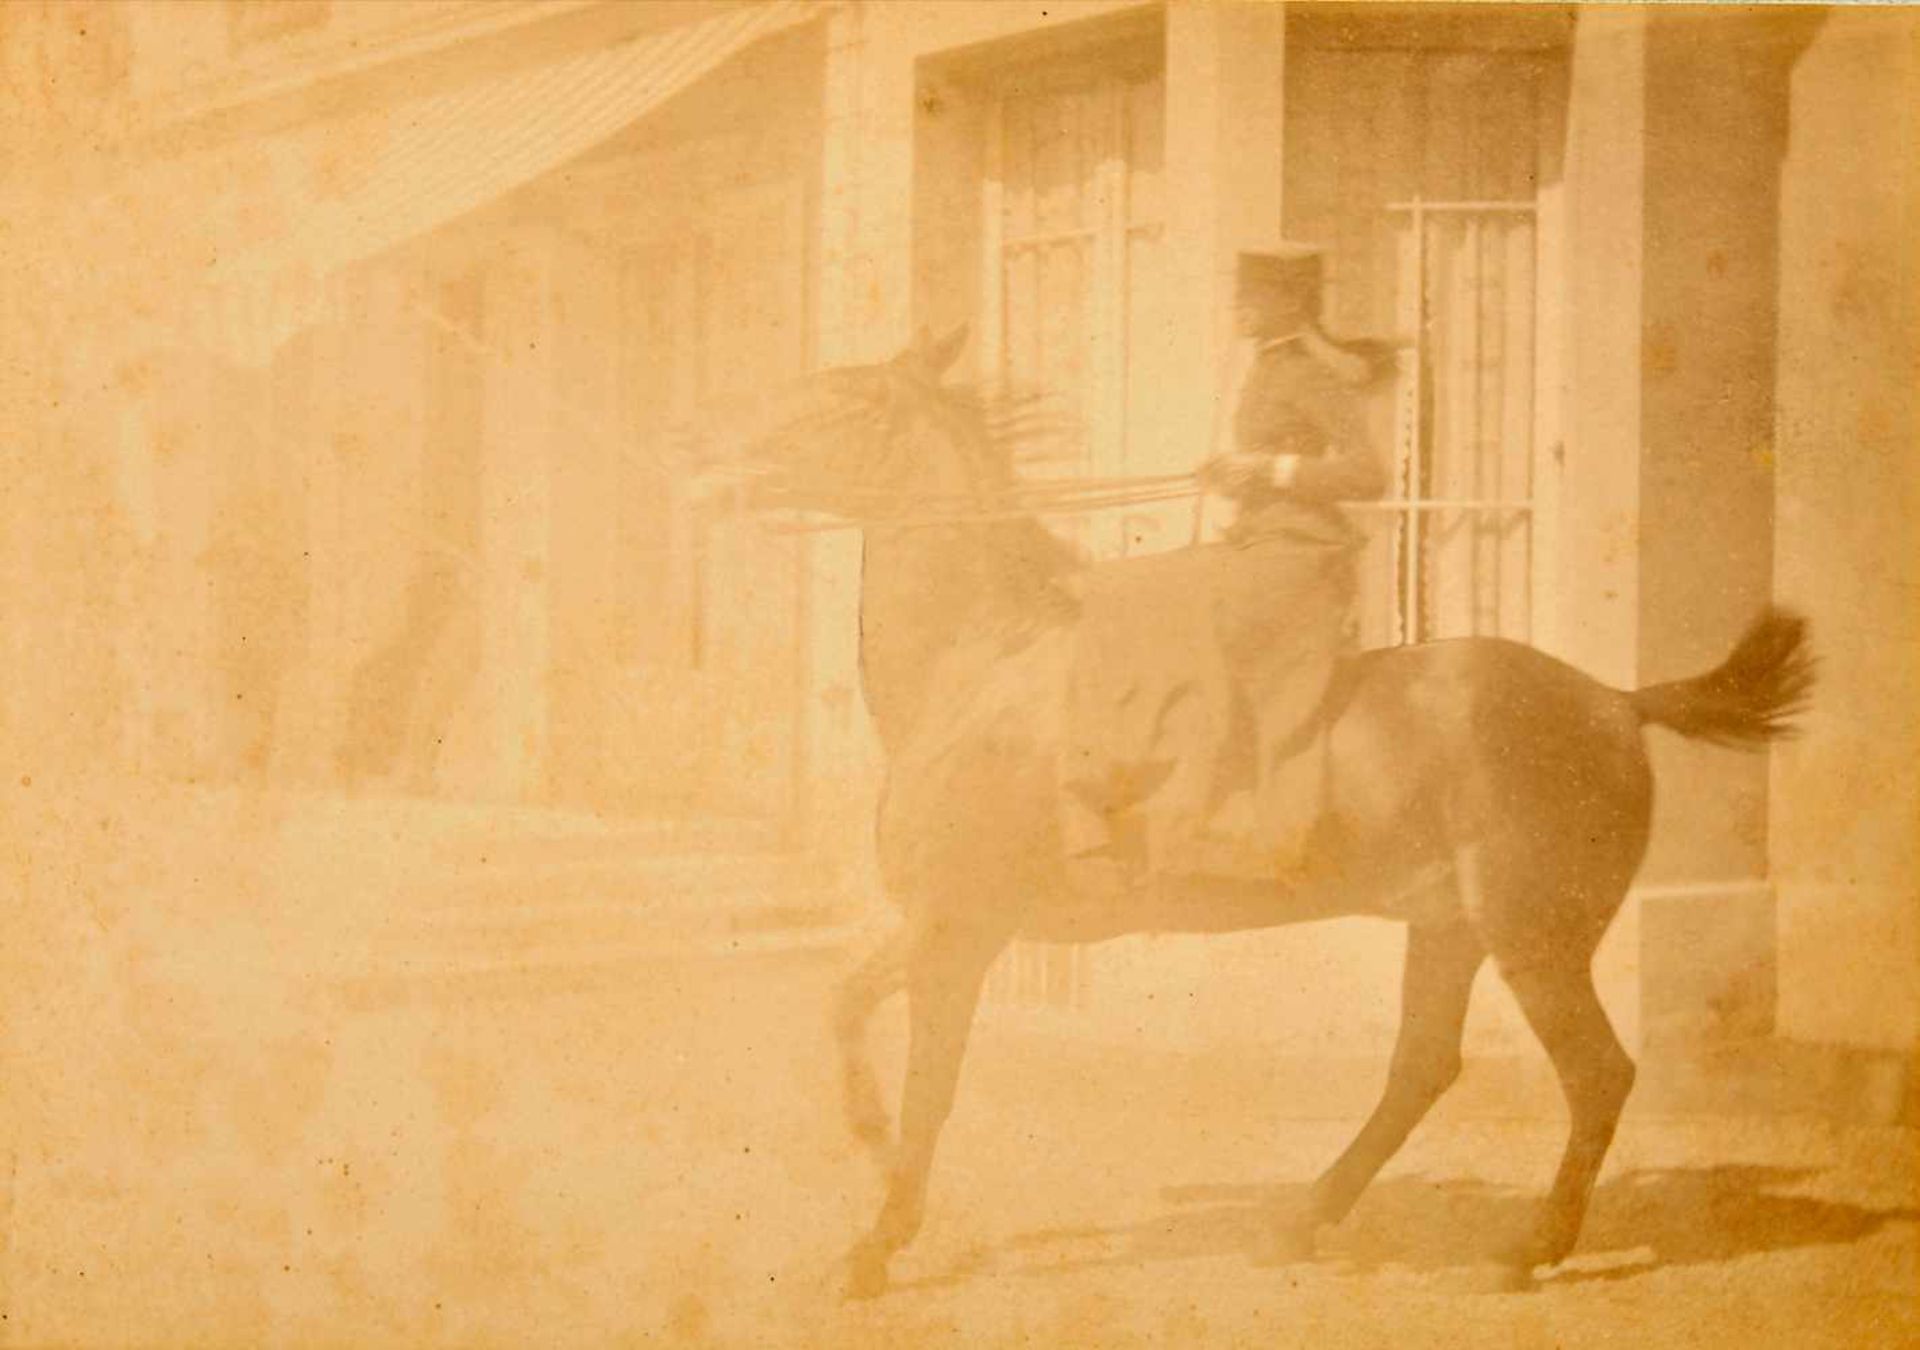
<point x="1479" y="441"/>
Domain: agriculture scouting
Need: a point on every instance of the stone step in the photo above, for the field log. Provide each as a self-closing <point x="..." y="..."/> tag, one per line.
<point x="570" y="969"/>
<point x="603" y="925"/>
<point x="597" y="916"/>
<point x="668" y="881"/>
<point x="462" y="833"/>
<point x="568" y="841"/>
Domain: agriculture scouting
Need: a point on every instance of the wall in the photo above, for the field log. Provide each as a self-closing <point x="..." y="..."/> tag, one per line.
<point x="1843" y="813"/>
<point x="1714" y="134"/>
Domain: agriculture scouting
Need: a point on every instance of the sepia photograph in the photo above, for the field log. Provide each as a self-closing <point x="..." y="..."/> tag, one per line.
<point x="858" y="674"/>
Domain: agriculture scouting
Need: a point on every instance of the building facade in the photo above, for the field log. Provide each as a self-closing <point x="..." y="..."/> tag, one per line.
<point x="1647" y="266"/>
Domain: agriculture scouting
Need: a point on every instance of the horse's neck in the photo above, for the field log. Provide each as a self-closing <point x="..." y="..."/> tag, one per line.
<point x="915" y="589"/>
<point x="924" y="592"/>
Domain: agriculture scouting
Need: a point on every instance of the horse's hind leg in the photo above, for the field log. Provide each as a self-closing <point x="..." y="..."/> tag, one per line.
<point x="876" y="978"/>
<point x="1596" y="1074"/>
<point x="944" y="971"/>
<point x="1542" y="931"/>
<point x="1440" y="968"/>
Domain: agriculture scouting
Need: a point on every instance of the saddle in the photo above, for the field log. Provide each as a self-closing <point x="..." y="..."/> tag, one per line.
<point x="1198" y="709"/>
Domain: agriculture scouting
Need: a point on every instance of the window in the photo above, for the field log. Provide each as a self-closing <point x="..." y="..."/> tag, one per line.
<point x="713" y="304"/>
<point x="1419" y="171"/>
<point x="1072" y="221"/>
<point x="660" y="553"/>
<point x="1462" y="524"/>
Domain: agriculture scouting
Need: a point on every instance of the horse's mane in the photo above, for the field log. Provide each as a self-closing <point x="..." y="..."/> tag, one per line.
<point x="1001" y="433"/>
<point x="986" y="437"/>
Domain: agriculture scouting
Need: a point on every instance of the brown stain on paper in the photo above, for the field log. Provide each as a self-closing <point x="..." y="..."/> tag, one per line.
<point x="433" y="833"/>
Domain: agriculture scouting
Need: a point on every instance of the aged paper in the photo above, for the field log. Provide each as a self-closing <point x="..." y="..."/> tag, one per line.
<point x="958" y="672"/>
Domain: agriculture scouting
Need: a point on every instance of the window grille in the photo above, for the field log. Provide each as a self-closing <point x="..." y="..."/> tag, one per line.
<point x="1072" y="223"/>
<point x="1451" y="550"/>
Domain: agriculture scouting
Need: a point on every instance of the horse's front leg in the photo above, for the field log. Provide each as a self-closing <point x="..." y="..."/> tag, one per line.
<point x="871" y="983"/>
<point x="945" y="967"/>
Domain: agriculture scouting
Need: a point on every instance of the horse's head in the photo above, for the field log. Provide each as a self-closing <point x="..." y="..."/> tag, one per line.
<point x="859" y="440"/>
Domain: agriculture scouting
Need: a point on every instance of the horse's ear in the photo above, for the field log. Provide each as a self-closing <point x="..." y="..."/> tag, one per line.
<point x="937" y="354"/>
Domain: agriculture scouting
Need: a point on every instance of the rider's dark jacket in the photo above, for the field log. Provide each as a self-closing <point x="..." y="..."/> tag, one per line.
<point x="1294" y="403"/>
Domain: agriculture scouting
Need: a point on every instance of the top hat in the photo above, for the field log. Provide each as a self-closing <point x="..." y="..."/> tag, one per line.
<point x="1291" y="271"/>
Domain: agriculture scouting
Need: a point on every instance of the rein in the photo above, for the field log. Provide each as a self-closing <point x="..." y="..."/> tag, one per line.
<point x="1079" y="496"/>
<point x="1036" y="498"/>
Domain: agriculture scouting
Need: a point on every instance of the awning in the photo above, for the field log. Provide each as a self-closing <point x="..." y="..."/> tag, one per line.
<point x="240" y="251"/>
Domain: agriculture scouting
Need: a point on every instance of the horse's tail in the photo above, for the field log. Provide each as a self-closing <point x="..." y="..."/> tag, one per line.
<point x="1750" y="698"/>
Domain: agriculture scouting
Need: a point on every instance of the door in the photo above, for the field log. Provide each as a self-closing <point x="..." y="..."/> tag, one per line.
<point x="1419" y="170"/>
<point x="1073" y="255"/>
<point x="699" y="664"/>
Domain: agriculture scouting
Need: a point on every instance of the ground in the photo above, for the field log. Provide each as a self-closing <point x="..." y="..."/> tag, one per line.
<point x="210" y="1152"/>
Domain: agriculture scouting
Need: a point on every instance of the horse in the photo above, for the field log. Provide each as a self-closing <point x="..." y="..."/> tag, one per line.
<point x="1492" y="798"/>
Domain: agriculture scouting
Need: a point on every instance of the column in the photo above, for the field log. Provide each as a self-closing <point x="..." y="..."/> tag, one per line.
<point x="866" y="176"/>
<point x="507" y="761"/>
<point x="1845" y="854"/>
<point x="1596" y="518"/>
<point x="863" y="304"/>
<point x="1714" y="133"/>
<point x="1225" y="120"/>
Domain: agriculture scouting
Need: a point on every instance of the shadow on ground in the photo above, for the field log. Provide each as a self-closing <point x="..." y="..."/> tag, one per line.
<point x="1664" y="1217"/>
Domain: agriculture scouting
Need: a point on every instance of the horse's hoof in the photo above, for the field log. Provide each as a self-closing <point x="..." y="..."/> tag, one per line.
<point x="866" y="1277"/>
<point x="1285" y="1243"/>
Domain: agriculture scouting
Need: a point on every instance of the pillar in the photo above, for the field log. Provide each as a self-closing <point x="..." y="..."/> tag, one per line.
<point x="1225" y="78"/>
<point x="1595" y="522"/>
<point x="1715" y="134"/>
<point x="861" y="313"/>
<point x="503" y="755"/>
<point x="1846" y="849"/>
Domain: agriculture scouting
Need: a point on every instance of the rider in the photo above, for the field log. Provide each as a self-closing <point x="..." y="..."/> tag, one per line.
<point x="1281" y="613"/>
<point x="1199" y="674"/>
<point x="1300" y="443"/>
